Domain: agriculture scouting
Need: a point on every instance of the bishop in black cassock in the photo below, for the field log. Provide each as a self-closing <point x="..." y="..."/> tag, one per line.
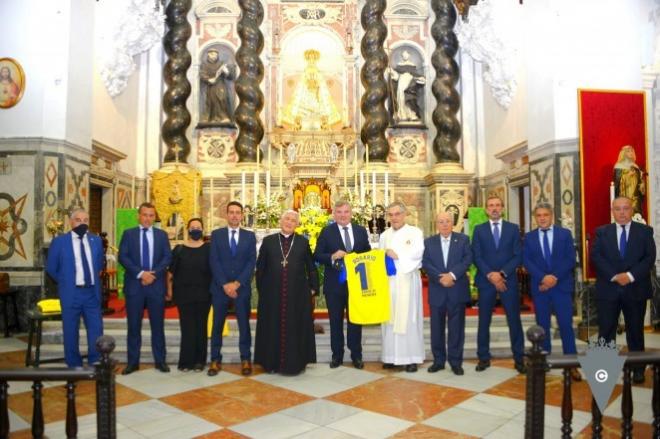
<point x="287" y="279"/>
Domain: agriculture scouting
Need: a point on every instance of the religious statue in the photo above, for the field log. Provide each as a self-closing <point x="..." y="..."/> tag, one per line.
<point x="406" y="85"/>
<point x="377" y="224"/>
<point x="629" y="178"/>
<point x="291" y="153"/>
<point x="311" y="107"/>
<point x="215" y="77"/>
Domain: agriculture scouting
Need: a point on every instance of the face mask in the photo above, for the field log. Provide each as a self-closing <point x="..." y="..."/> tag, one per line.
<point x="81" y="229"/>
<point x="195" y="234"/>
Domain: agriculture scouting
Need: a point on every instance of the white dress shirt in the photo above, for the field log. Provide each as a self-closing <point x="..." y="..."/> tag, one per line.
<point x="150" y="240"/>
<point x="80" y="274"/>
<point x="550" y="234"/>
<point x="350" y="233"/>
<point x="619" y="231"/>
<point x="238" y="232"/>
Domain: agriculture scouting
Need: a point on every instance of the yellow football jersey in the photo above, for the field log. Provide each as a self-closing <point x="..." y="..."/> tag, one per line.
<point x="368" y="286"/>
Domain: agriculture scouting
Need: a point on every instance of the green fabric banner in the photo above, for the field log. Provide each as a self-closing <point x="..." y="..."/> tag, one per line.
<point x="124" y="219"/>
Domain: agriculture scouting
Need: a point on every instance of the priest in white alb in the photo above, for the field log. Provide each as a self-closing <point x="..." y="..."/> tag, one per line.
<point x="403" y="336"/>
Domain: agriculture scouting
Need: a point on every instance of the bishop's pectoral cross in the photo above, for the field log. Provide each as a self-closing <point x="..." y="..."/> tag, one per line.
<point x="284" y="262"/>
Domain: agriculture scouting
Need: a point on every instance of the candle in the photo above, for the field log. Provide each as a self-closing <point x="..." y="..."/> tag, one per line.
<point x="611" y="191"/>
<point x="373" y="188"/>
<point x="243" y="188"/>
<point x="269" y="153"/>
<point x="268" y="188"/>
<point x="345" y="170"/>
<point x="362" y="188"/>
<point x="387" y="188"/>
<point x="355" y="166"/>
<point x="133" y="192"/>
<point x="256" y="189"/>
<point x="366" y="156"/>
<point x="281" y="166"/>
<point x="147" y="197"/>
<point x="258" y="151"/>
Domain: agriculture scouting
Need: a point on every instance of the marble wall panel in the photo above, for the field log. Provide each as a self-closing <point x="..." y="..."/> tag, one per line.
<point x="17" y="212"/>
<point x="51" y="177"/>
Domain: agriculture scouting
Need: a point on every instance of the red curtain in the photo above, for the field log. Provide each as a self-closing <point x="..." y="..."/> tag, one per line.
<point x="608" y="121"/>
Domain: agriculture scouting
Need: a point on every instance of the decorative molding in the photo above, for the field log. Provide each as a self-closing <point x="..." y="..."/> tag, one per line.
<point x="138" y="29"/>
<point x="487" y="38"/>
<point x="512" y="153"/>
<point x="561" y="146"/>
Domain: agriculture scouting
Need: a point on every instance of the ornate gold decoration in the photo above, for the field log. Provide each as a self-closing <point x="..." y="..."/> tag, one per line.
<point x="452" y="201"/>
<point x="175" y="191"/>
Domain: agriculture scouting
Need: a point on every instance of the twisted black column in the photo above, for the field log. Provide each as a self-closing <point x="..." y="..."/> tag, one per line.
<point x="178" y="87"/>
<point x="448" y="129"/>
<point x="251" y="99"/>
<point x="375" y="87"/>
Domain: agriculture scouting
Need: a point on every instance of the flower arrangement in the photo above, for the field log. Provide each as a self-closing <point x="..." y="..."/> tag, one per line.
<point x="312" y="220"/>
<point x="267" y="214"/>
<point x="361" y="213"/>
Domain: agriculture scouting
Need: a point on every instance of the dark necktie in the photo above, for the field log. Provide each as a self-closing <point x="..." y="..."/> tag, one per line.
<point x="496" y="234"/>
<point x="232" y="243"/>
<point x="146" y="260"/>
<point x="85" y="263"/>
<point x="347" y="240"/>
<point x="623" y="242"/>
<point x="547" y="253"/>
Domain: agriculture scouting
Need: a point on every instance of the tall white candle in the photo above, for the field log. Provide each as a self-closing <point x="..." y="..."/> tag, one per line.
<point x="256" y="190"/>
<point x="373" y="188"/>
<point x="243" y="188"/>
<point x="366" y="156"/>
<point x="269" y="155"/>
<point x="355" y="166"/>
<point x="345" y="170"/>
<point x="258" y="151"/>
<point x="268" y="188"/>
<point x="387" y="188"/>
<point x="362" y="187"/>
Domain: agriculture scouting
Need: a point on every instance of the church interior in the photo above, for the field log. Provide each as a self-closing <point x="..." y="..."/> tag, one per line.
<point x="283" y="104"/>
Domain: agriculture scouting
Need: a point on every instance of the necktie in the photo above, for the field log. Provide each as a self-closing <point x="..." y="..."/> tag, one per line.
<point x="496" y="234"/>
<point x="347" y="240"/>
<point x="85" y="263"/>
<point x="622" y="242"/>
<point x="146" y="260"/>
<point x="232" y="244"/>
<point x="547" y="253"/>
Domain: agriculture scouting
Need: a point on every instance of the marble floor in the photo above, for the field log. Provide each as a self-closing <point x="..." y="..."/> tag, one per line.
<point x="322" y="403"/>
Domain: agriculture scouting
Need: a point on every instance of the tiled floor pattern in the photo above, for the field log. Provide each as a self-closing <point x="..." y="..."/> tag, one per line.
<point x="322" y="403"/>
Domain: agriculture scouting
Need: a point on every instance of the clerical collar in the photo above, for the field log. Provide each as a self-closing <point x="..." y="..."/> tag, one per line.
<point x="286" y="236"/>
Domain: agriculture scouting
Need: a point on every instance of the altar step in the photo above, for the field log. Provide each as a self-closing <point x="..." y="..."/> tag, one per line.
<point x="371" y="340"/>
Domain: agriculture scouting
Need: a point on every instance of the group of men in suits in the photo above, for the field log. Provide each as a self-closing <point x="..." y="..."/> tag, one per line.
<point x="623" y="255"/>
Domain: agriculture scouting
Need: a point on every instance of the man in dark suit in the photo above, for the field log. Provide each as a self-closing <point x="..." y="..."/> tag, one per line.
<point x="623" y="255"/>
<point x="447" y="257"/>
<point x="144" y="252"/>
<point x="75" y="261"/>
<point x="232" y="259"/>
<point x="496" y="250"/>
<point x="549" y="257"/>
<point x="334" y="242"/>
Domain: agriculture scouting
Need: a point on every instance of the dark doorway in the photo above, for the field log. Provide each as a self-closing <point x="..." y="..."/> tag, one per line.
<point x="95" y="208"/>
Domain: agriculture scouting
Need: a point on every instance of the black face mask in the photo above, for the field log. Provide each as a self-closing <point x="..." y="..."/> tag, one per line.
<point x="81" y="229"/>
<point x="195" y="234"/>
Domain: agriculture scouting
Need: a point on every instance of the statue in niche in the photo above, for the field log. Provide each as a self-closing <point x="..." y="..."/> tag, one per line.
<point x="629" y="178"/>
<point x="216" y="85"/>
<point x="407" y="89"/>
<point x="311" y="107"/>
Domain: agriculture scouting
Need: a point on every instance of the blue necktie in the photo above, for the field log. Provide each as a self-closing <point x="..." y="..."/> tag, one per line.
<point x="85" y="263"/>
<point x="347" y="240"/>
<point x="496" y="234"/>
<point x="146" y="260"/>
<point x="622" y="242"/>
<point x="232" y="244"/>
<point x="547" y="254"/>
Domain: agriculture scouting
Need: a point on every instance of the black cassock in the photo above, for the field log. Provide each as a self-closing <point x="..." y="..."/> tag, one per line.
<point x="284" y="340"/>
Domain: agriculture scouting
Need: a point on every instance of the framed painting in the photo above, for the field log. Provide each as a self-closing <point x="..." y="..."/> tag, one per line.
<point x="12" y="82"/>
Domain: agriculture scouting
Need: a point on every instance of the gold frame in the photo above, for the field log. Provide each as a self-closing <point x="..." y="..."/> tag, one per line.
<point x="17" y="75"/>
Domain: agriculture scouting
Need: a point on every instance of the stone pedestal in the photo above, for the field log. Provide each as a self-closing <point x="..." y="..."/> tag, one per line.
<point x="448" y="192"/>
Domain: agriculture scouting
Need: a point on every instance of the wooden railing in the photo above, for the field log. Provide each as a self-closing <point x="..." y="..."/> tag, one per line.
<point x="539" y="363"/>
<point x="104" y="375"/>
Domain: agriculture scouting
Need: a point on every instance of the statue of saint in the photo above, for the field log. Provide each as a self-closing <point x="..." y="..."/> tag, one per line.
<point x="629" y="178"/>
<point x="406" y="85"/>
<point x="215" y="76"/>
<point x="311" y="107"/>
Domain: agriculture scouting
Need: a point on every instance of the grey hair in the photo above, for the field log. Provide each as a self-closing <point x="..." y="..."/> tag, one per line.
<point x="75" y="211"/>
<point x="544" y="205"/>
<point x="288" y="211"/>
<point x="398" y="204"/>
<point x="341" y="203"/>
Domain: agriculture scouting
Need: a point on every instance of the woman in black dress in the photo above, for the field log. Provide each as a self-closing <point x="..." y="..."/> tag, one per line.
<point x="190" y="278"/>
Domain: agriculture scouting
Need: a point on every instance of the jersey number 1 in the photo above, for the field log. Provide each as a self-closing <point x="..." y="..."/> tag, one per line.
<point x="361" y="268"/>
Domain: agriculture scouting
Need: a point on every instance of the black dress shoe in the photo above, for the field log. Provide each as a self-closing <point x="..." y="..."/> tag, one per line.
<point x="482" y="365"/>
<point x="163" y="367"/>
<point x="411" y="368"/>
<point x="388" y="366"/>
<point x="358" y="363"/>
<point x="335" y="363"/>
<point x="435" y="367"/>
<point x="130" y="369"/>
<point x="520" y="367"/>
<point x="638" y="377"/>
<point x="458" y="370"/>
